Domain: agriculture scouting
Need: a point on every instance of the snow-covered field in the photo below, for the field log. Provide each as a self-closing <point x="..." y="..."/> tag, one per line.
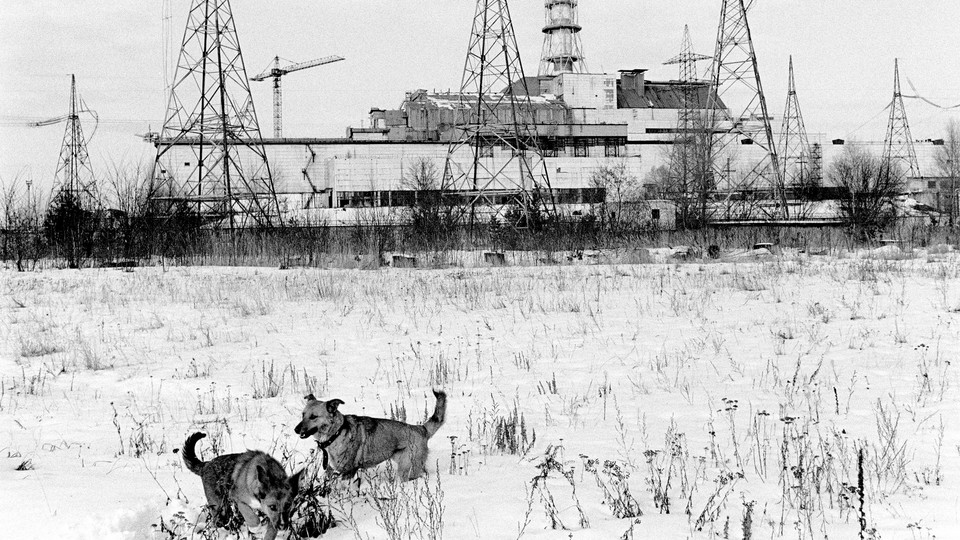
<point x="736" y="396"/>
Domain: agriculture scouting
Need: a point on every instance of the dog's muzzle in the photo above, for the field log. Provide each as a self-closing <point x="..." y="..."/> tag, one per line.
<point x="304" y="432"/>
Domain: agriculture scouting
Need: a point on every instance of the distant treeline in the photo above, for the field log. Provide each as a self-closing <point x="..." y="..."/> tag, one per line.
<point x="74" y="238"/>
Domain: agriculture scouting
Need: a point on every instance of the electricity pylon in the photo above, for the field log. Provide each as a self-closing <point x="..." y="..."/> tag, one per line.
<point x="795" y="150"/>
<point x="736" y="77"/>
<point x="210" y="156"/>
<point x="898" y="149"/>
<point x="690" y="179"/>
<point x="74" y="182"/>
<point x="494" y="162"/>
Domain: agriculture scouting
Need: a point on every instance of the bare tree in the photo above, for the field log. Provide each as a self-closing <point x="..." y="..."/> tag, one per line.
<point x="870" y="187"/>
<point x="948" y="162"/>
<point x="430" y="211"/>
<point x="689" y="179"/>
<point x="620" y="187"/>
<point x="128" y="189"/>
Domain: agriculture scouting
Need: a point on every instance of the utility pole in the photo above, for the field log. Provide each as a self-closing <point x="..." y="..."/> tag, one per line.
<point x="210" y="155"/>
<point x="74" y="178"/>
<point x="495" y="162"/>
<point x="735" y="74"/>
<point x="898" y="149"/>
<point x="74" y="182"/>
<point x="795" y="150"/>
<point x="689" y="173"/>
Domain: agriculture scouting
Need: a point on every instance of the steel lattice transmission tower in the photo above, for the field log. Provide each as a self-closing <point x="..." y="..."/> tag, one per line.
<point x="226" y="177"/>
<point x="494" y="160"/>
<point x="74" y="182"/>
<point x="686" y="167"/>
<point x="690" y="79"/>
<point x="562" y="48"/>
<point x="735" y="76"/>
<point x="898" y="147"/>
<point x="795" y="151"/>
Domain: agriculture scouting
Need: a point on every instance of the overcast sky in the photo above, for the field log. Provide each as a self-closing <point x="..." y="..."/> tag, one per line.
<point x="843" y="53"/>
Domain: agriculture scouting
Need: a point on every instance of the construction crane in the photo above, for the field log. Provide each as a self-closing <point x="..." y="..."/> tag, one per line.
<point x="276" y="72"/>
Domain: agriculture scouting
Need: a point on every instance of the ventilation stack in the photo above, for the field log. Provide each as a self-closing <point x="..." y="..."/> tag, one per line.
<point x="562" y="49"/>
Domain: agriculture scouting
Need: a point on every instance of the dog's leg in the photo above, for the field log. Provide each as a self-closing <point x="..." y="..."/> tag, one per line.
<point x="219" y="511"/>
<point x="417" y="468"/>
<point x="271" y="533"/>
<point x="404" y="461"/>
<point x="252" y="520"/>
<point x="418" y="460"/>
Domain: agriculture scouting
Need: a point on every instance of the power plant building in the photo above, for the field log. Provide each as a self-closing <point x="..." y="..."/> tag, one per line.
<point x="584" y="122"/>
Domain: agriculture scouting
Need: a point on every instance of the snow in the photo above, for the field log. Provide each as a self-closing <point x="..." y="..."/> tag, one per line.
<point x="719" y="368"/>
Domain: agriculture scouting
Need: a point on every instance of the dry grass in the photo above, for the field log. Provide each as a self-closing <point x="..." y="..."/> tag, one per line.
<point x="716" y="395"/>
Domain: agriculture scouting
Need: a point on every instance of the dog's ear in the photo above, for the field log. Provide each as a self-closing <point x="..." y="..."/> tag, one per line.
<point x="264" y="481"/>
<point x="309" y="397"/>
<point x="333" y="404"/>
<point x="295" y="482"/>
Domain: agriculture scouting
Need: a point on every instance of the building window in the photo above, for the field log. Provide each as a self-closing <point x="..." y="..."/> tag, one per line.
<point x="356" y="199"/>
<point x="612" y="148"/>
<point x="932" y="184"/>
<point x="594" y="195"/>
<point x="548" y="145"/>
<point x="403" y="198"/>
<point x="581" y="148"/>
<point x="655" y="214"/>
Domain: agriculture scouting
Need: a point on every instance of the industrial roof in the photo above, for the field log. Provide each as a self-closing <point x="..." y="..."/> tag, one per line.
<point x="661" y="95"/>
<point x="452" y="100"/>
<point x="527" y="86"/>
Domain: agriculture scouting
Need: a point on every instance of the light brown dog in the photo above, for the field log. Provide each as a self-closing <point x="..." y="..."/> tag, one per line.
<point x="252" y="480"/>
<point x="354" y="442"/>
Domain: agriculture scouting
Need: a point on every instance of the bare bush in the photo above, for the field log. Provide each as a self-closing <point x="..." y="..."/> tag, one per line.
<point x="431" y="215"/>
<point x="870" y="186"/>
<point x="20" y="224"/>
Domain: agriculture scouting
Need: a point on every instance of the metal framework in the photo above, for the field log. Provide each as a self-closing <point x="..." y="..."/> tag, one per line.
<point x="898" y="145"/>
<point x="795" y="149"/>
<point x="690" y="77"/>
<point x="736" y="78"/>
<point x="494" y="161"/>
<point x="685" y="167"/>
<point x="226" y="180"/>
<point x="74" y="180"/>
<point x="562" y="48"/>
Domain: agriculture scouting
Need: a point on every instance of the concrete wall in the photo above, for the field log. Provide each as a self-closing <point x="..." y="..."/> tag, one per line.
<point x="586" y="91"/>
<point x="310" y="173"/>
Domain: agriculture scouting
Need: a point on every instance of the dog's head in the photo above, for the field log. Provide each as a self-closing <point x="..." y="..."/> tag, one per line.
<point x="276" y="496"/>
<point x="320" y="419"/>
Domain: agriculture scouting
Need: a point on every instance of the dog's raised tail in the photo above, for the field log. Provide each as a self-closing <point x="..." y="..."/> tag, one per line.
<point x="439" y="413"/>
<point x="190" y="455"/>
